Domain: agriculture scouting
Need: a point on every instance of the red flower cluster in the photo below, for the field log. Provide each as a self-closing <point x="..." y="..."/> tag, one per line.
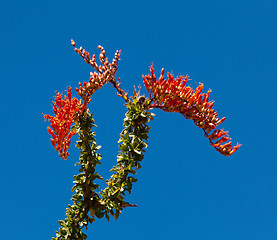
<point x="96" y="81"/>
<point x="104" y="73"/>
<point x="173" y="95"/>
<point x="66" y="111"/>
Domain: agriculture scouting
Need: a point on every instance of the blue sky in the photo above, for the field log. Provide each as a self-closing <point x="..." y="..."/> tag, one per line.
<point x="186" y="190"/>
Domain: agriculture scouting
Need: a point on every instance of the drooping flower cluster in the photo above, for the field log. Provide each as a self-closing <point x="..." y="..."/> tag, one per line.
<point x="173" y="95"/>
<point x="66" y="111"/>
<point x="104" y="73"/>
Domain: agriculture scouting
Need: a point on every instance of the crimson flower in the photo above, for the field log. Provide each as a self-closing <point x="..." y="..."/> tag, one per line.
<point x="173" y="95"/>
<point x="66" y="111"/>
<point x="105" y="72"/>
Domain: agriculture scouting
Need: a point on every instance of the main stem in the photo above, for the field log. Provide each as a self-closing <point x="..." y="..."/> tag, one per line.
<point x="87" y="204"/>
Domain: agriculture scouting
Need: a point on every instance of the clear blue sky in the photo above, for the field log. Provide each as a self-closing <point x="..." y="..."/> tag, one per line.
<point x="186" y="190"/>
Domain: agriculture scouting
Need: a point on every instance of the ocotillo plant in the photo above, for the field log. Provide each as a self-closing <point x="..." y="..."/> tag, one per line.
<point x="72" y="116"/>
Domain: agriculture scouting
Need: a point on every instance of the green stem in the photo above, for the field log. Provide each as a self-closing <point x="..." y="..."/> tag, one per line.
<point x="132" y="143"/>
<point x="85" y="198"/>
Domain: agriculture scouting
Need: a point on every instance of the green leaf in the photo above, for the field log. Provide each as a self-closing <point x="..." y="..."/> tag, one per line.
<point x="99" y="214"/>
<point x="107" y="216"/>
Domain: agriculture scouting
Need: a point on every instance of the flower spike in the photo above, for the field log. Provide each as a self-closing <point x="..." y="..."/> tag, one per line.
<point x="173" y="95"/>
<point x="104" y="73"/>
<point x="66" y="112"/>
